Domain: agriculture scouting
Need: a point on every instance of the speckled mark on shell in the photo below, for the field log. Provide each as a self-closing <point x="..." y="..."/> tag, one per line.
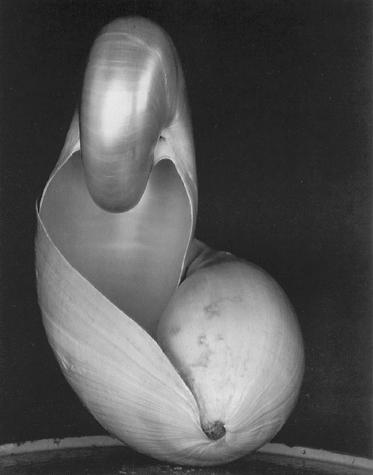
<point x="213" y="309"/>
<point x="174" y="330"/>
<point x="204" y="359"/>
<point x="201" y="339"/>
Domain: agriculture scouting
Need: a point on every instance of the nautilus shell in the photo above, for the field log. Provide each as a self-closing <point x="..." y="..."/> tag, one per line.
<point x="116" y="258"/>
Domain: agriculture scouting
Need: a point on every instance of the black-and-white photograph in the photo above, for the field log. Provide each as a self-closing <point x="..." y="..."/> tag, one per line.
<point x="186" y="237"/>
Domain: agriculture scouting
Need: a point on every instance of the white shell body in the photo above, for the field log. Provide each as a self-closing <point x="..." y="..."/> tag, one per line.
<point x="232" y="334"/>
<point x="105" y="276"/>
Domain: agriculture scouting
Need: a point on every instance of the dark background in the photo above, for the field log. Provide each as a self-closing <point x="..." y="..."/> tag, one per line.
<point x="281" y="101"/>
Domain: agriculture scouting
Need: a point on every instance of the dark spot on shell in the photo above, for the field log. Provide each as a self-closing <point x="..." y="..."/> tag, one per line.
<point x="203" y="360"/>
<point x="174" y="330"/>
<point x="219" y="337"/>
<point x="212" y="310"/>
<point x="202" y="339"/>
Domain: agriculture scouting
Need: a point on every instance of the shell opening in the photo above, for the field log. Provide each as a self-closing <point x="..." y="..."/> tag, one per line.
<point x="133" y="258"/>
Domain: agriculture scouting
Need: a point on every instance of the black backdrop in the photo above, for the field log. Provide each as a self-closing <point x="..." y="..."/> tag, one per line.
<point x="280" y="94"/>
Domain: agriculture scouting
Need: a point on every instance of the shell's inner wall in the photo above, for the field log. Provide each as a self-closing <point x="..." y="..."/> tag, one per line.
<point x="134" y="258"/>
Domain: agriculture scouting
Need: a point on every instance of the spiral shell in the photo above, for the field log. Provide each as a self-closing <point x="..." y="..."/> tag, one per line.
<point x="115" y="239"/>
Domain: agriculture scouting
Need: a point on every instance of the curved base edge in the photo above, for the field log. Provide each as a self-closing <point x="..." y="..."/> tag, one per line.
<point x="101" y="441"/>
